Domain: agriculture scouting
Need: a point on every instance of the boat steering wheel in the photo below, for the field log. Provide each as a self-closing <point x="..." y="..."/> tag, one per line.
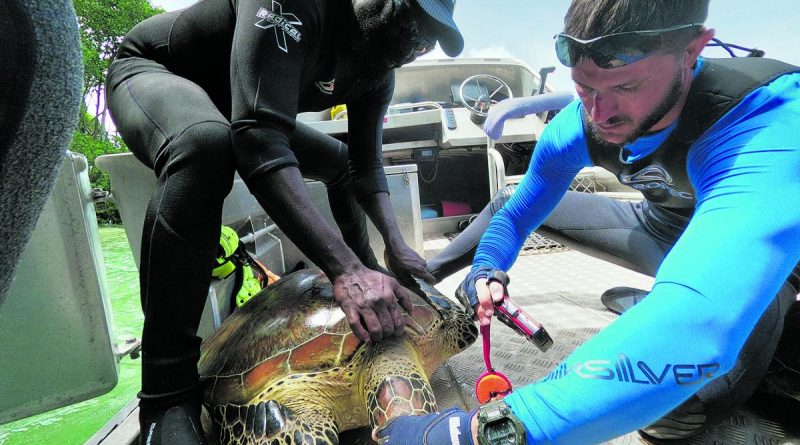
<point x="479" y="106"/>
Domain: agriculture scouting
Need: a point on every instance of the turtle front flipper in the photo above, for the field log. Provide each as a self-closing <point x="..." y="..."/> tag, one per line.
<point x="270" y="423"/>
<point x="395" y="384"/>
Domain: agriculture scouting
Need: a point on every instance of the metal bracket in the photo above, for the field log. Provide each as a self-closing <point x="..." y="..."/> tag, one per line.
<point x="100" y="195"/>
<point x="132" y="347"/>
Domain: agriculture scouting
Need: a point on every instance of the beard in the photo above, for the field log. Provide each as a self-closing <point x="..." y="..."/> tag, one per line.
<point x="666" y="105"/>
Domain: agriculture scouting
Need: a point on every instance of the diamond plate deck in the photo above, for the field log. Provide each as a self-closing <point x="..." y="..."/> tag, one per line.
<point x="562" y="290"/>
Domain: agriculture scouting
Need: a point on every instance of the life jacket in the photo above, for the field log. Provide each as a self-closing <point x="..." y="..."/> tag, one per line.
<point x="662" y="176"/>
<point x="250" y="276"/>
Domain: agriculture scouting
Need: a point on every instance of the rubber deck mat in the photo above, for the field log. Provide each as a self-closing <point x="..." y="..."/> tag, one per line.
<point x="534" y="244"/>
<point x="562" y="291"/>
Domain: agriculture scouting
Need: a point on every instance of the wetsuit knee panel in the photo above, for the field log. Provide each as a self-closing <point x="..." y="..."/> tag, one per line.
<point x="196" y="169"/>
<point x="204" y="147"/>
<point x="502" y="197"/>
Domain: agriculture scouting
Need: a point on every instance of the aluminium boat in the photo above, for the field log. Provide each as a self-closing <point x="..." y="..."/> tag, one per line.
<point x="442" y="170"/>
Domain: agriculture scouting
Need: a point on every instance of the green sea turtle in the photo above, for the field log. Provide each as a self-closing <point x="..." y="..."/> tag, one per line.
<point x="285" y="368"/>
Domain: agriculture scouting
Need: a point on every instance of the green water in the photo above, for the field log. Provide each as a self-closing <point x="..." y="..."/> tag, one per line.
<point x="77" y="423"/>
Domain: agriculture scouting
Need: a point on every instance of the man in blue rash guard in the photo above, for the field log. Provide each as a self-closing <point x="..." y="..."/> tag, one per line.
<point x="714" y="147"/>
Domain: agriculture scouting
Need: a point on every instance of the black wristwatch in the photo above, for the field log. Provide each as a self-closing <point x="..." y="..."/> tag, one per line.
<point x="497" y="425"/>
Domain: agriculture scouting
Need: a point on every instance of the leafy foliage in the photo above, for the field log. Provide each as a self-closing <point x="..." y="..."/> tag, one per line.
<point x="103" y="25"/>
<point x="92" y="147"/>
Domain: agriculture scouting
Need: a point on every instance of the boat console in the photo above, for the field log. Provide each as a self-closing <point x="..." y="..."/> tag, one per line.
<point x="434" y="124"/>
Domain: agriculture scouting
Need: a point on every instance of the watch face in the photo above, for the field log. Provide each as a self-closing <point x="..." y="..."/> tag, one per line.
<point x="501" y="431"/>
<point x="497" y="425"/>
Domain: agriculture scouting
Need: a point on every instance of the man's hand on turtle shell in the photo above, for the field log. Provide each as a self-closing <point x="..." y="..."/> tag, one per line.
<point x="370" y="300"/>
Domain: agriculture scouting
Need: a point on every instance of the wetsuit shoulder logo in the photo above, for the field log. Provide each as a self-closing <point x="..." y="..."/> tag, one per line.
<point x="282" y="23"/>
<point x="652" y="177"/>
<point x="325" y="87"/>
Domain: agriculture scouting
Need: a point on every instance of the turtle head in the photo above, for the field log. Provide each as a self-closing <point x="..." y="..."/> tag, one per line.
<point x="455" y="328"/>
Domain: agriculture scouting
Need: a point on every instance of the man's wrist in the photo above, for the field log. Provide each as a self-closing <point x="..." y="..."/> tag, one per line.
<point x="340" y="265"/>
<point x="467" y="288"/>
<point x="394" y="241"/>
<point x="468" y="285"/>
<point x="473" y="424"/>
<point x="481" y="272"/>
<point x="451" y="426"/>
<point x="497" y="424"/>
<point x="380" y="212"/>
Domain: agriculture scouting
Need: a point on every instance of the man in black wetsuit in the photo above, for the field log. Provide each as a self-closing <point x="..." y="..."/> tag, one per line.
<point x="200" y="93"/>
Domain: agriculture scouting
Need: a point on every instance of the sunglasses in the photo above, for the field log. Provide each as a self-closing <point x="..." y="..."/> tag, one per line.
<point x="614" y="50"/>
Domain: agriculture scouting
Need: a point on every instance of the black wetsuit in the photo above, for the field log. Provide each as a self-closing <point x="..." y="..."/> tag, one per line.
<point x="180" y="83"/>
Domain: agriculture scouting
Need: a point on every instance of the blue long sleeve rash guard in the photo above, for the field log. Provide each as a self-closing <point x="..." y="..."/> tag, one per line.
<point x="740" y="245"/>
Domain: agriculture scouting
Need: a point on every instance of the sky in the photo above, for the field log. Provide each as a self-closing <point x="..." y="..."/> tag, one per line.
<point x="524" y="29"/>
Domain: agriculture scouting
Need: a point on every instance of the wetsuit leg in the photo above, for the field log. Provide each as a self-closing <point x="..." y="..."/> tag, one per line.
<point x="783" y="376"/>
<point x="324" y="158"/>
<point x="609" y="229"/>
<point x="615" y="232"/>
<point x="459" y="252"/>
<point x="172" y="126"/>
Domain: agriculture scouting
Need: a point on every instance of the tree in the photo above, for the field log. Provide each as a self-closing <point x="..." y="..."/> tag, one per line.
<point x="103" y="24"/>
<point x="92" y="147"/>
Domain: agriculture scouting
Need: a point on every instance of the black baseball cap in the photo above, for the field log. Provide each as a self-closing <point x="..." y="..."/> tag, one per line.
<point x="447" y="33"/>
